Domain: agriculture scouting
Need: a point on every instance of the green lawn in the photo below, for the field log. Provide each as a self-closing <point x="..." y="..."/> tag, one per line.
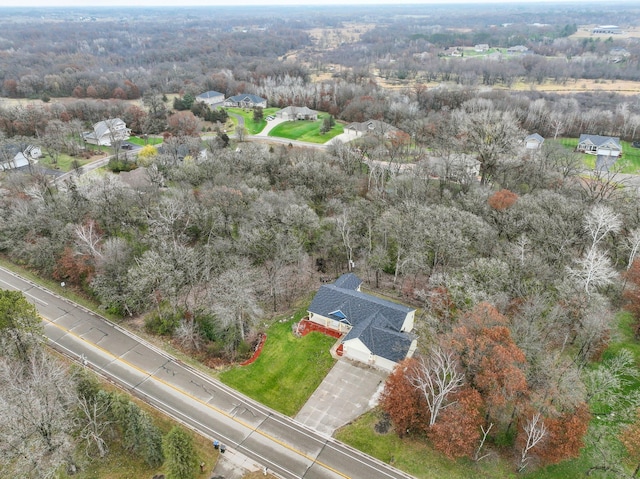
<point x="252" y="127"/>
<point x="308" y="131"/>
<point x="152" y="140"/>
<point x="65" y="162"/>
<point x="288" y="370"/>
<point x="414" y="456"/>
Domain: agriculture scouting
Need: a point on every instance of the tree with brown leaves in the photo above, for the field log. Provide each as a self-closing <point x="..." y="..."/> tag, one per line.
<point x="493" y="363"/>
<point x="403" y="402"/>
<point x="458" y="430"/>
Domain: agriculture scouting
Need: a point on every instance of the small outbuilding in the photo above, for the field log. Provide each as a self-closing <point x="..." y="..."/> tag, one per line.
<point x="533" y="142"/>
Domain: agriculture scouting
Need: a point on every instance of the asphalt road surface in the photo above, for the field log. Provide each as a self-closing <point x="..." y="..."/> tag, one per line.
<point x="287" y="448"/>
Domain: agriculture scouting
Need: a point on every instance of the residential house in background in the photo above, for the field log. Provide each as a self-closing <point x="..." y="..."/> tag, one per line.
<point x="371" y="127"/>
<point x="517" y="49"/>
<point x="376" y="331"/>
<point x="211" y="98"/>
<point x="107" y="132"/>
<point x="533" y="142"/>
<point x="608" y="30"/>
<point x="599" y="145"/>
<point x="245" y="100"/>
<point x="481" y="47"/>
<point x="16" y="157"/>
<point x="297" y="113"/>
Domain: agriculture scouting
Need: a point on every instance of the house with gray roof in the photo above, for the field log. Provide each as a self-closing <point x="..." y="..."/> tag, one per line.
<point x="533" y="141"/>
<point x="107" y="132"/>
<point x="376" y="331"/>
<point x="371" y="127"/>
<point x="297" y="113"/>
<point x="18" y="156"/>
<point x="245" y="100"/>
<point x="599" y="145"/>
<point x="211" y="97"/>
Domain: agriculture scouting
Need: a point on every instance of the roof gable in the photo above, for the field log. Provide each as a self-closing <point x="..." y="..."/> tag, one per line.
<point x="375" y="321"/>
<point x="348" y="281"/>
<point x="600" y="141"/>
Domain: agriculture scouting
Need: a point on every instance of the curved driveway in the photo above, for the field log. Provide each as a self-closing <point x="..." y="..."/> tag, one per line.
<point x="289" y="449"/>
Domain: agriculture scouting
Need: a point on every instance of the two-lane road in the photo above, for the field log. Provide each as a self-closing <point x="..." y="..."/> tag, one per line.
<point x="289" y="449"/>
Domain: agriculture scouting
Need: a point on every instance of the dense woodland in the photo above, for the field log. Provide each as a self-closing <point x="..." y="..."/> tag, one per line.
<point x="517" y="273"/>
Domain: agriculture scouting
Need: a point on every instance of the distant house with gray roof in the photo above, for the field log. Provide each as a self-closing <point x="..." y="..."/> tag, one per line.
<point x="211" y="97"/>
<point x="107" y="132"/>
<point x="376" y="331"/>
<point x="18" y="156"/>
<point x="245" y="100"/>
<point x="533" y="141"/>
<point x="378" y="128"/>
<point x="297" y="113"/>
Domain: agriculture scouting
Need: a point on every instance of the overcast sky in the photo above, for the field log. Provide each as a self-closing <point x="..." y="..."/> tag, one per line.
<point x="160" y="3"/>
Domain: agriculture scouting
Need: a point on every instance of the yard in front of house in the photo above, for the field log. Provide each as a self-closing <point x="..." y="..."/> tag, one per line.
<point x="253" y="128"/>
<point x="288" y="370"/>
<point x="308" y="131"/>
<point x="630" y="161"/>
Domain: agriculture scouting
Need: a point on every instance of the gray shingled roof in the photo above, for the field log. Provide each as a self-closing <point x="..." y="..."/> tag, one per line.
<point x="375" y="321"/>
<point x="385" y="343"/>
<point x="210" y="94"/>
<point x="348" y="281"/>
<point x="246" y="97"/>
<point x="598" y="140"/>
<point x="535" y="136"/>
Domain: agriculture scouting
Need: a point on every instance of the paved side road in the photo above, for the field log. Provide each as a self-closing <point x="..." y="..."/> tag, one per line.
<point x="289" y="449"/>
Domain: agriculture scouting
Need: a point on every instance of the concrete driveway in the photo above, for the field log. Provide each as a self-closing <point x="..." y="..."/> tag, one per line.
<point x="346" y="392"/>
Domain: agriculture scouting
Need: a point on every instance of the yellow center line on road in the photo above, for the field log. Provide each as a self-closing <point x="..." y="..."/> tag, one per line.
<point x="206" y="404"/>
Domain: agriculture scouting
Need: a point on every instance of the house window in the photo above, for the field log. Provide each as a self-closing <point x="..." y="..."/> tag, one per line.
<point x="338" y="314"/>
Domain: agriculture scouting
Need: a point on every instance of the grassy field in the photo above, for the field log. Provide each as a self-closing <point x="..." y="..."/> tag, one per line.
<point x="253" y="128"/>
<point x="288" y="370"/>
<point x="308" y="131"/>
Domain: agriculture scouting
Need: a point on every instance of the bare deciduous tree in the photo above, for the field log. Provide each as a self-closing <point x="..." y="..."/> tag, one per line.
<point x="36" y="416"/>
<point x="535" y="431"/>
<point x="436" y="377"/>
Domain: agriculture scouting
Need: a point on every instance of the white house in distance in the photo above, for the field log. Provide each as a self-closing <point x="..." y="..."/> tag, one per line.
<point x="377" y="332"/>
<point x="107" y="131"/>
<point x="599" y="145"/>
<point x="211" y="97"/>
<point x="533" y="142"/>
<point x="22" y="158"/>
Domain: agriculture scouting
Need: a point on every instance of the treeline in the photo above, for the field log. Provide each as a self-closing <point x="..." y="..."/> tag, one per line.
<point x="124" y="59"/>
<point x="55" y="418"/>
